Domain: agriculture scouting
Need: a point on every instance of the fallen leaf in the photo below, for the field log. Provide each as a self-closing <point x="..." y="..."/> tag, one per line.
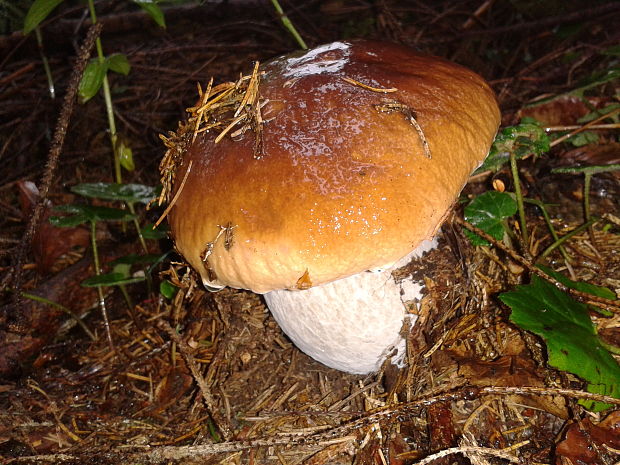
<point x="560" y="111"/>
<point x="588" y="444"/>
<point x="48" y="242"/>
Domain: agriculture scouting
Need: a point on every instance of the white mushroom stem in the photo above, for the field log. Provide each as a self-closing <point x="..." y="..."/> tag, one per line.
<point x="352" y="324"/>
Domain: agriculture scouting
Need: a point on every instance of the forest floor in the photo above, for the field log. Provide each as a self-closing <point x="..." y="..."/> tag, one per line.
<point x="208" y="377"/>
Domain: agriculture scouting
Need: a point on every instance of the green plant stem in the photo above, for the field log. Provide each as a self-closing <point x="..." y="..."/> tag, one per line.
<point x="554" y="234"/>
<point x="588" y="172"/>
<point x="46" y="65"/>
<point x="137" y="225"/>
<point x="289" y="25"/>
<point x="107" y="96"/>
<point x="127" y="298"/>
<point x="78" y="320"/>
<point x="611" y="348"/>
<point x="566" y="237"/>
<point x="587" y="181"/>
<point x="102" y="307"/>
<point x="515" y="178"/>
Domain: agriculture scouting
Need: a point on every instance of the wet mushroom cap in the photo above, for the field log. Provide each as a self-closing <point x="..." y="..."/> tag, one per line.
<point x="341" y="182"/>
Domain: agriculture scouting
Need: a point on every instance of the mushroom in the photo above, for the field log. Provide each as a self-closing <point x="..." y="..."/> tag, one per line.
<point x="312" y="179"/>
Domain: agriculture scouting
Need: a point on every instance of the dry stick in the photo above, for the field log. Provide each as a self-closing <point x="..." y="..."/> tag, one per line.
<point x="576" y="16"/>
<point x="53" y="156"/>
<point x="345" y="432"/>
<point x="467" y="451"/>
<point x="608" y="304"/>
<point x="185" y="350"/>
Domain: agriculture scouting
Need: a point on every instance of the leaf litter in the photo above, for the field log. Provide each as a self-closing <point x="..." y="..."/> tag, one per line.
<point x="148" y="402"/>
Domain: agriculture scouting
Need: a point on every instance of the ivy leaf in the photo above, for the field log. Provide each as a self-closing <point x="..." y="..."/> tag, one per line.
<point x="92" y="80"/>
<point x="39" y="10"/>
<point x="609" y="109"/>
<point x="570" y="336"/>
<point x="583" y="138"/>
<point x="522" y="139"/>
<point x="153" y="11"/>
<point x="487" y="212"/>
<point x="130" y="193"/>
<point x="88" y="213"/>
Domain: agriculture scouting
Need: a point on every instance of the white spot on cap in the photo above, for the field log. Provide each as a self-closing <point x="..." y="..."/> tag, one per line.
<point x="307" y="63"/>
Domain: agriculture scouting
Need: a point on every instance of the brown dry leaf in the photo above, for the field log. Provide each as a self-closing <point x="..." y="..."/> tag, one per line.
<point x="505" y="371"/>
<point x="333" y="454"/>
<point x="441" y="427"/>
<point x="43" y="321"/>
<point x="561" y="111"/>
<point x="590" y="445"/>
<point x="512" y="370"/>
<point x="599" y="154"/>
<point x="170" y="389"/>
<point x="48" y="242"/>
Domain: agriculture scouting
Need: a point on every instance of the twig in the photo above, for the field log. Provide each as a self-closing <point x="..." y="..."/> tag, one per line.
<point x="584" y="297"/>
<point x="176" y="196"/>
<point x="53" y="156"/>
<point x="345" y="432"/>
<point x="584" y="127"/>
<point x="545" y="22"/>
<point x="185" y="351"/>
<point x="466" y="450"/>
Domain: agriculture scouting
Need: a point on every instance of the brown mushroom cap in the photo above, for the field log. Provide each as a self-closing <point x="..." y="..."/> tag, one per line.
<point x="343" y="183"/>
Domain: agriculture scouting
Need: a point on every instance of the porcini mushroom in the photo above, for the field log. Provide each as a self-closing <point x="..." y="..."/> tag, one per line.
<point x="310" y="179"/>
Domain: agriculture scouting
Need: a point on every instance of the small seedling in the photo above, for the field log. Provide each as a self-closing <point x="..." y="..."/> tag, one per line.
<point x="128" y="193"/>
<point x="96" y="74"/>
<point x="88" y="214"/>
<point x="121" y="274"/>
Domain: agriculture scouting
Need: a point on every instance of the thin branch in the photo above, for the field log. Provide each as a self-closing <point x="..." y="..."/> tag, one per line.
<point x="53" y="157"/>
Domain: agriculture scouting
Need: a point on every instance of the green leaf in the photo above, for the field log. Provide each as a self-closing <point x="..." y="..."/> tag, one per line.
<point x="126" y="156"/>
<point x="154" y="11"/>
<point x="92" y="80"/>
<point x="167" y="289"/>
<point x="600" y="112"/>
<point x="583" y="138"/>
<point x="487" y="212"/>
<point x="592" y="289"/>
<point x="614" y="50"/>
<point x="39" y="10"/>
<point x="88" y="213"/>
<point x="130" y="193"/>
<point x="596" y="79"/>
<point x="572" y="343"/>
<point x="68" y="221"/>
<point x="522" y="139"/>
<point x="111" y="279"/>
<point x="161" y="232"/>
<point x="134" y="259"/>
<point x="118" y="63"/>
